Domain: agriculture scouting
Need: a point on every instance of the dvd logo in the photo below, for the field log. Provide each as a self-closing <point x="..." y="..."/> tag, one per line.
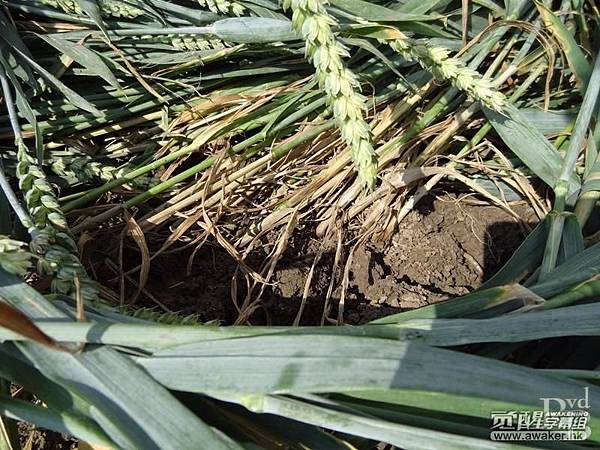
<point x="564" y="403"/>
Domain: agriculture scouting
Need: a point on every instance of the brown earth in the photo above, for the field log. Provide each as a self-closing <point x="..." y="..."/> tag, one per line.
<point x="443" y="249"/>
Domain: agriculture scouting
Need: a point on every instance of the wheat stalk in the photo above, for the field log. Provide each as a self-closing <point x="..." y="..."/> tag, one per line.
<point x="312" y="20"/>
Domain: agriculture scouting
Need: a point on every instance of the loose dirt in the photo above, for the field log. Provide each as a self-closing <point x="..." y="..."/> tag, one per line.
<point x="443" y="249"/>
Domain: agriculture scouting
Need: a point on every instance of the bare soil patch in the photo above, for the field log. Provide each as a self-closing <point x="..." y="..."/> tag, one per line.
<point x="444" y="248"/>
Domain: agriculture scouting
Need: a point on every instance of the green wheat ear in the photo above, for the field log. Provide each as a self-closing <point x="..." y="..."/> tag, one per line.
<point x="223" y="7"/>
<point x="108" y="8"/>
<point x="85" y="169"/>
<point x="193" y="43"/>
<point x="55" y="248"/>
<point x="167" y="318"/>
<point x="340" y="84"/>
<point x="438" y="61"/>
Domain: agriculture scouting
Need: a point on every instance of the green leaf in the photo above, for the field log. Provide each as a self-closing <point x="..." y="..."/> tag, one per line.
<point x="71" y="95"/>
<point x="590" y="288"/>
<point x="22" y="103"/>
<point x="404" y="436"/>
<point x="575" y="270"/>
<point x="264" y="9"/>
<point x="277" y="430"/>
<point x="549" y="122"/>
<point x="582" y="123"/>
<point x="92" y="10"/>
<point x="572" y="239"/>
<point x="512" y="328"/>
<point x="84" y="56"/>
<point x="192" y="15"/>
<point x="314" y="363"/>
<point x="62" y="422"/>
<point x="378" y="13"/>
<point x="574" y="373"/>
<point x="417" y="6"/>
<point x="417" y="417"/>
<point x="476" y="302"/>
<point x="464" y="408"/>
<point x="129" y="405"/>
<point x="530" y="145"/>
<point x="524" y="260"/>
<point x="434" y="332"/>
<point x="12" y="39"/>
<point x="13" y="368"/>
<point x="368" y="46"/>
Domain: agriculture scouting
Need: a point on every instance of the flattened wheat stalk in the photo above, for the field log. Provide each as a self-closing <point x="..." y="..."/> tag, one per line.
<point x="311" y="19"/>
<point x="108" y="8"/>
<point x="438" y="61"/>
<point x="223" y="6"/>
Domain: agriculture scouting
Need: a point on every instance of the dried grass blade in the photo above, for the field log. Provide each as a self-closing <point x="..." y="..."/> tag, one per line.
<point x="138" y="236"/>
